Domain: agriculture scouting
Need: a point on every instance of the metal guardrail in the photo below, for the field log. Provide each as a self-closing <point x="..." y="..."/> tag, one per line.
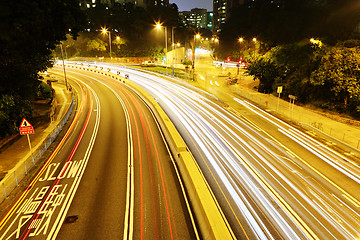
<point x="319" y="130"/>
<point x="12" y="179"/>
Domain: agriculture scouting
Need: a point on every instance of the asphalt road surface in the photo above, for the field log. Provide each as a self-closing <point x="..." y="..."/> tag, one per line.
<point x="111" y="176"/>
<point x="271" y="180"/>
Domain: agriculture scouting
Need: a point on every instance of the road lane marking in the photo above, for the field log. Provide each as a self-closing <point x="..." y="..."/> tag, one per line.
<point x="19" y="201"/>
<point x="78" y="170"/>
<point x="69" y="159"/>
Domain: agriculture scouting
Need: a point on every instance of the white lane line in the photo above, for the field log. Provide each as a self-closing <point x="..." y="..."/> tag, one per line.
<point x="65" y="208"/>
<point x="130" y="185"/>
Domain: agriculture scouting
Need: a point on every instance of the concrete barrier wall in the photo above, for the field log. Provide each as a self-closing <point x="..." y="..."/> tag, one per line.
<point x="210" y="218"/>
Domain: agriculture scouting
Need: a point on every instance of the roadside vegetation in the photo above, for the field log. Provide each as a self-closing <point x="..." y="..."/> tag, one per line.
<point x="311" y="48"/>
<point x="30" y="30"/>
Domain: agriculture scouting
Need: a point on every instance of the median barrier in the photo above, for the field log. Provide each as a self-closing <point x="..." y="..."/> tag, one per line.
<point x="210" y="218"/>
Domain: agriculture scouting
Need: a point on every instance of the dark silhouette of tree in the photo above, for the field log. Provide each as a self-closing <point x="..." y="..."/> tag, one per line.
<point x="288" y="21"/>
<point x="29" y="30"/>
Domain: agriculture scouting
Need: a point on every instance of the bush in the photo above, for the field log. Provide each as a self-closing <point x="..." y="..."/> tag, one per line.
<point x="44" y="91"/>
<point x="12" y="110"/>
<point x="187" y="62"/>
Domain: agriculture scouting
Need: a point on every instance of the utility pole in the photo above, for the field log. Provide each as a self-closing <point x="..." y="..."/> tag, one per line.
<point x="62" y="55"/>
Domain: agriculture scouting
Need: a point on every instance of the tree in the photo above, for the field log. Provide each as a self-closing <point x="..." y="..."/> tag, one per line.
<point x="281" y="22"/>
<point x="266" y="71"/>
<point x="339" y="74"/>
<point x="29" y="30"/>
<point x="96" y="46"/>
<point x="12" y="107"/>
<point x="296" y="63"/>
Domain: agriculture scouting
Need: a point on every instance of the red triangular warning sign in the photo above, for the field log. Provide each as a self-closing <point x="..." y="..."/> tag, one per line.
<point x="26" y="127"/>
<point x="25" y="123"/>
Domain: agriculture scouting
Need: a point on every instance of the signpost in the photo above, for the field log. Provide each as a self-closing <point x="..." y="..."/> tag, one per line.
<point x="25" y="129"/>
<point x="292" y="101"/>
<point x="279" y="91"/>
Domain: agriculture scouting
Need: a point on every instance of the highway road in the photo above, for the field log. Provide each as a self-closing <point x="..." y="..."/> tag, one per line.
<point x="271" y="180"/>
<point x="110" y="177"/>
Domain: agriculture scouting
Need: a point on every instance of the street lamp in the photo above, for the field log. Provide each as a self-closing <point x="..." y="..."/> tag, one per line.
<point x="62" y="55"/>
<point x="196" y="36"/>
<point x="105" y="31"/>
<point x="241" y="40"/>
<point x="158" y="27"/>
<point x="254" y="40"/>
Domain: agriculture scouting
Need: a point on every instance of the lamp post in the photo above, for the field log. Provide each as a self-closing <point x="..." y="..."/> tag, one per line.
<point x="254" y="40"/>
<point x="173" y="45"/>
<point x="196" y="36"/>
<point x="238" y="65"/>
<point x="62" y="55"/>
<point x="241" y="40"/>
<point x="104" y="31"/>
<point x="158" y="26"/>
<point x="118" y="43"/>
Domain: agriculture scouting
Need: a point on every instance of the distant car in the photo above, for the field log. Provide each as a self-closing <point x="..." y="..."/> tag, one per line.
<point x="148" y="64"/>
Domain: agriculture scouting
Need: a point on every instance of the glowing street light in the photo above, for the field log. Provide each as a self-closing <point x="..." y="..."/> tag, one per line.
<point x="105" y="31"/>
<point x="158" y="26"/>
<point x="254" y="39"/>
<point x="196" y="36"/>
<point x="316" y="42"/>
<point x="241" y="40"/>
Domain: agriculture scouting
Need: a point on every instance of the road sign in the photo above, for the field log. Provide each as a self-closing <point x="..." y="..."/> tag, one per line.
<point x="292" y="97"/>
<point x="279" y="89"/>
<point x="26" y="127"/>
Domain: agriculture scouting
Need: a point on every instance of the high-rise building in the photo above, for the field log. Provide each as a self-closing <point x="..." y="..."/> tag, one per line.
<point x="140" y="3"/>
<point x="221" y="10"/>
<point x="197" y="18"/>
<point x="144" y="3"/>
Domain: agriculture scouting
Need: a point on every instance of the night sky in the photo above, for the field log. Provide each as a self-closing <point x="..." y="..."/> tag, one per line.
<point x="186" y="5"/>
